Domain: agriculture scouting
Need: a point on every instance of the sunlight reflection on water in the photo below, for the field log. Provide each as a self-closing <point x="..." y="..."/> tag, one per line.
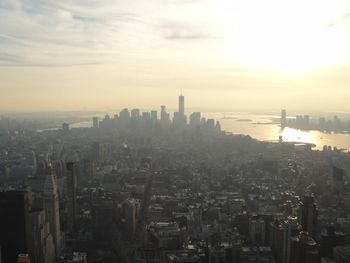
<point x="261" y="127"/>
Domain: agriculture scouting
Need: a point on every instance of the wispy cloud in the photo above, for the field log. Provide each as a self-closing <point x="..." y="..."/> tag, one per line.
<point x="176" y="30"/>
<point x="48" y="32"/>
<point x="180" y="35"/>
<point x="344" y="18"/>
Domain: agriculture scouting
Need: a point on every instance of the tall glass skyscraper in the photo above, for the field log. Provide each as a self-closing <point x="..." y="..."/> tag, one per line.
<point x="181" y="105"/>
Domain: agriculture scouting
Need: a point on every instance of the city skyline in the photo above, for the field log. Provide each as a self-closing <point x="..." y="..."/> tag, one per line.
<point x="97" y="54"/>
<point x="174" y="131"/>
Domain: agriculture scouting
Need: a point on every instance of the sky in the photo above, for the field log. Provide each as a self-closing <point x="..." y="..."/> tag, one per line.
<point x="224" y="54"/>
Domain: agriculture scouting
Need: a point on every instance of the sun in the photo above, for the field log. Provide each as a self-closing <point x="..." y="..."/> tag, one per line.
<point x="291" y="36"/>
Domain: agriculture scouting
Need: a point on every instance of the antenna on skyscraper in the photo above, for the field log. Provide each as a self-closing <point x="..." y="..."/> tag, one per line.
<point x="180" y="91"/>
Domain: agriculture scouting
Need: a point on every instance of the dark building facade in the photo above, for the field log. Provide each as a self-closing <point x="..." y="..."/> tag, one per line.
<point x="14" y="224"/>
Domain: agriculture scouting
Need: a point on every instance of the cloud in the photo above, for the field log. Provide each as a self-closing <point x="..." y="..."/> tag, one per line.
<point x="178" y="35"/>
<point x="58" y="33"/>
<point x="344" y="18"/>
<point x="184" y="31"/>
<point x="8" y="58"/>
<point x="49" y="33"/>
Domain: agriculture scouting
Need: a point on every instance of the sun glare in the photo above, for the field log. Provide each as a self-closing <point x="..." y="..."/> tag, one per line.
<point x="293" y="135"/>
<point x="292" y="36"/>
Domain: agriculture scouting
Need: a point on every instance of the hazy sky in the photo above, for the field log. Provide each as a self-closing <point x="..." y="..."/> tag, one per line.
<point x="224" y="54"/>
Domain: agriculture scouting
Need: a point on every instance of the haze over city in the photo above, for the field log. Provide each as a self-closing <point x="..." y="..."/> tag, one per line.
<point x="243" y="54"/>
<point x="174" y="131"/>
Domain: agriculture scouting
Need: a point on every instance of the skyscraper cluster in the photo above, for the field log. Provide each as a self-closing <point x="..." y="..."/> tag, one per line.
<point x="146" y="119"/>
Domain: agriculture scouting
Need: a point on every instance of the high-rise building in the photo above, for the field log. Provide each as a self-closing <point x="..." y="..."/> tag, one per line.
<point x="146" y="116"/>
<point x="329" y="240"/>
<point x="338" y="179"/>
<point x="24" y="230"/>
<point x="14" y="224"/>
<point x="304" y="249"/>
<point x="291" y="229"/>
<point x="276" y="239"/>
<point x="130" y="207"/>
<point x="154" y="117"/>
<point x="65" y="127"/>
<point x="95" y="122"/>
<point x="283" y="118"/>
<point x="102" y="220"/>
<point x="135" y="113"/>
<point x="181" y="105"/>
<point x="308" y="215"/>
<point x="211" y="124"/>
<point x="72" y="172"/>
<point x="41" y="248"/>
<point x="164" y="117"/>
<point x="52" y="211"/>
<point x="124" y="116"/>
<point x="257" y="231"/>
<point x="195" y="119"/>
<point x="163" y="113"/>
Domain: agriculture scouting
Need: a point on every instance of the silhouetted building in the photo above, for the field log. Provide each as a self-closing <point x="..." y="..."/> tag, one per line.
<point x="277" y="239"/>
<point x="195" y="119"/>
<point x="95" y="122"/>
<point x="337" y="179"/>
<point x="135" y="113"/>
<point x="51" y="207"/>
<point x="308" y="215"/>
<point x="124" y="117"/>
<point x="72" y="172"/>
<point x="304" y="249"/>
<point x="23" y="230"/>
<point x="14" y="224"/>
<point x="181" y="105"/>
<point x="291" y="229"/>
<point x="329" y="240"/>
<point x="283" y="118"/>
<point x="65" y="127"/>
<point x="131" y="207"/>
<point x="102" y="221"/>
<point x="257" y="231"/>
<point x="154" y="117"/>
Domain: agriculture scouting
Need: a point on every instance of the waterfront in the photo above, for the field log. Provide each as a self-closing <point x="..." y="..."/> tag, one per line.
<point x="262" y="127"/>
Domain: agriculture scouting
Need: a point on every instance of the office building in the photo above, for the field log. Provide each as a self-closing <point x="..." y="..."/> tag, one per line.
<point x="154" y="116"/>
<point x="51" y="207"/>
<point x="65" y="127"/>
<point x="338" y="176"/>
<point x="14" y="224"/>
<point x="257" y="231"/>
<point x="283" y="118"/>
<point x="135" y="113"/>
<point x="95" y="122"/>
<point x="72" y="172"/>
<point x="24" y="230"/>
<point x="195" y="119"/>
<point x="291" y="229"/>
<point x="329" y="240"/>
<point x="308" y="215"/>
<point x="304" y="249"/>
<point x="181" y="105"/>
